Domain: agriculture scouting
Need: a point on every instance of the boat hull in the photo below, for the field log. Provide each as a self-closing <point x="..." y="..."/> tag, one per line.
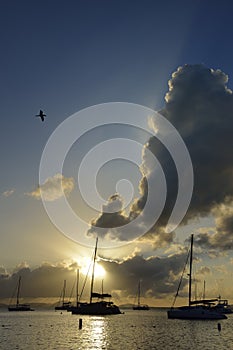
<point x="144" y="307"/>
<point x="20" y="308"/>
<point x="223" y="307"/>
<point x="97" y="308"/>
<point x="223" y="310"/>
<point x="194" y="313"/>
<point x="63" y="307"/>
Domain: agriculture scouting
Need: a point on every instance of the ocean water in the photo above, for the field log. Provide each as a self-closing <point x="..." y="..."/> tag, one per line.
<point x="144" y="330"/>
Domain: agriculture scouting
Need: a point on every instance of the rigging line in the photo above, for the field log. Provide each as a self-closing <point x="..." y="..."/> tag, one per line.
<point x="13" y="295"/>
<point x="72" y="290"/>
<point x="71" y="293"/>
<point x="135" y="298"/>
<point x="181" y="278"/>
<point x="85" y="280"/>
<point x="60" y="298"/>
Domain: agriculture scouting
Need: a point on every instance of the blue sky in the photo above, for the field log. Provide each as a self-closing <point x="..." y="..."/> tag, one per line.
<point x="63" y="56"/>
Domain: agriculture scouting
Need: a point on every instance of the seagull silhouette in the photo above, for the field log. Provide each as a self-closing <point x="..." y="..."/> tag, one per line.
<point x="41" y="115"/>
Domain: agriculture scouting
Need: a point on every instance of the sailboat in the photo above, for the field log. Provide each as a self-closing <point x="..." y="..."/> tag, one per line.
<point x="18" y="306"/>
<point x="63" y="305"/>
<point x="221" y="306"/>
<point x="139" y="306"/>
<point x="99" y="307"/>
<point x="195" y="310"/>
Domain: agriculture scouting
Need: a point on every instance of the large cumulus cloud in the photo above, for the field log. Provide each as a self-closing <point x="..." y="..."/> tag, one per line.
<point x="199" y="104"/>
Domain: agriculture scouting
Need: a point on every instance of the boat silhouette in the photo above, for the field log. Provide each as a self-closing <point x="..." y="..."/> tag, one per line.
<point x="18" y="306"/>
<point x="98" y="307"/>
<point x="62" y="304"/>
<point x="197" y="309"/>
<point x="140" y="306"/>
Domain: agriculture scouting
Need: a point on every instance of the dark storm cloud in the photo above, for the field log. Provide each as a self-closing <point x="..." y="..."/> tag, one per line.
<point x="111" y="218"/>
<point x="44" y="281"/>
<point x="200" y="106"/>
<point x="159" y="277"/>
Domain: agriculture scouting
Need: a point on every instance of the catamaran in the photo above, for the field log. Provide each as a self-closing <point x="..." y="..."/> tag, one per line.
<point x="99" y="307"/>
<point x="195" y="310"/>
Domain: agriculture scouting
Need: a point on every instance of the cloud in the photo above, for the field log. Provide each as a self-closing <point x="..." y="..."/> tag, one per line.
<point x="110" y="220"/>
<point x="54" y="188"/>
<point x="159" y="277"/>
<point x="200" y="106"/>
<point x="8" y="193"/>
<point x="44" y="281"/>
<point x="3" y="272"/>
<point x="220" y="237"/>
<point x="204" y="270"/>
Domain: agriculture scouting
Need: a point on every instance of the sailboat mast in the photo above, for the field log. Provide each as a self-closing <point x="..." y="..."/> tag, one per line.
<point x="18" y="291"/>
<point x="139" y="293"/>
<point x="190" y="270"/>
<point x="77" y="286"/>
<point x="64" y="292"/>
<point x="93" y="270"/>
<point x="204" y="291"/>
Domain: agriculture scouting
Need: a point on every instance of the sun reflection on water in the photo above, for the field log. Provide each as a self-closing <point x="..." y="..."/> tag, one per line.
<point x="98" y="333"/>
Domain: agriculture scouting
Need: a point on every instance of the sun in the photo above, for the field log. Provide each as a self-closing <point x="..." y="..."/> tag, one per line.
<point x="99" y="271"/>
<point x="86" y="268"/>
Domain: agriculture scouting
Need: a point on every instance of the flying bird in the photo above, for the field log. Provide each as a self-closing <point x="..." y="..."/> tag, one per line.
<point x="41" y="115"/>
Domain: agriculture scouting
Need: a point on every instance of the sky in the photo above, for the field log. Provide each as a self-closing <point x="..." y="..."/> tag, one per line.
<point x="64" y="57"/>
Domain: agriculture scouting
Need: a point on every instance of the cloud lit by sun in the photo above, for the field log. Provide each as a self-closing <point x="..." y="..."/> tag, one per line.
<point x="87" y="265"/>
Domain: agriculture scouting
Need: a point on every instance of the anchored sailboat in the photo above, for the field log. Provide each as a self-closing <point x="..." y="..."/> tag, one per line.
<point x="18" y="306"/>
<point x="195" y="310"/>
<point x="63" y="305"/>
<point x="140" y="306"/>
<point x="99" y="307"/>
<point x="218" y="304"/>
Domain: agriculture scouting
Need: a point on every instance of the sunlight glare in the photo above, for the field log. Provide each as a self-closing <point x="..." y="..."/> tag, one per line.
<point x="86" y="268"/>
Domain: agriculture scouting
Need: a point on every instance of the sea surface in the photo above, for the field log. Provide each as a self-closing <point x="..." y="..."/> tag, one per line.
<point x="144" y="330"/>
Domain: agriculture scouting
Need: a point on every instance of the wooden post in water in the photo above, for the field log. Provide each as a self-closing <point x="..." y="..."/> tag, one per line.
<point x="80" y="324"/>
